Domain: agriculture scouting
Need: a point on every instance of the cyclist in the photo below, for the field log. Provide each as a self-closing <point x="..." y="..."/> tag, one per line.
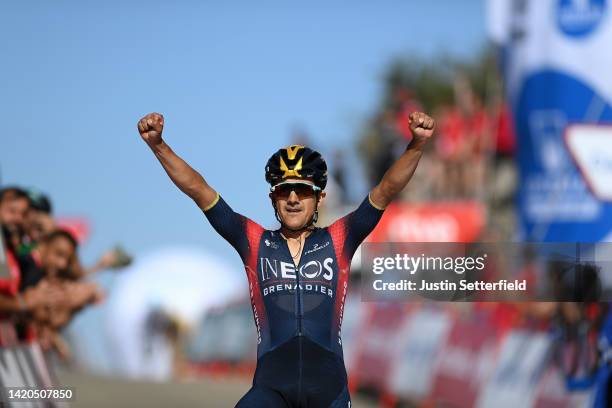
<point x="297" y="274"/>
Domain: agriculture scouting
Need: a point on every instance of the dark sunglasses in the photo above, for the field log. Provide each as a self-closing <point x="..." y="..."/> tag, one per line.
<point x="303" y="190"/>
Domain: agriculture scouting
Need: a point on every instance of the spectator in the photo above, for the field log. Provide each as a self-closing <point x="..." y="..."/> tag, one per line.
<point x="504" y="180"/>
<point x="42" y="292"/>
<point x="50" y="272"/>
<point x="14" y="206"/>
<point x="404" y="103"/>
<point x="39" y="221"/>
<point x="463" y="142"/>
<point x="339" y="177"/>
<point x="52" y="257"/>
<point x="377" y="145"/>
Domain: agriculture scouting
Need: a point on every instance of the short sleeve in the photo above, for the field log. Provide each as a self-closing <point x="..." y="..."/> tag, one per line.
<point x="354" y="227"/>
<point x="232" y="226"/>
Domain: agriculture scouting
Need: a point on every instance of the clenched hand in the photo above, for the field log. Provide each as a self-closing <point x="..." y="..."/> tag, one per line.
<point x="151" y="127"/>
<point x="422" y="126"/>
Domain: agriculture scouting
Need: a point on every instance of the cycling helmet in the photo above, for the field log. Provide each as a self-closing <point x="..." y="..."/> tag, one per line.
<point x="296" y="161"/>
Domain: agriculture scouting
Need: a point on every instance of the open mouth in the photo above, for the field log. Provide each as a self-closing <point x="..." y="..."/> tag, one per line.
<point x="293" y="210"/>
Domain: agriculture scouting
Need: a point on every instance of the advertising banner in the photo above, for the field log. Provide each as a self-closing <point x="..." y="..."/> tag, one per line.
<point x="557" y="68"/>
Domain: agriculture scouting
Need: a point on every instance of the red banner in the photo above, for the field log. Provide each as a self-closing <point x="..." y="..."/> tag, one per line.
<point x="461" y="221"/>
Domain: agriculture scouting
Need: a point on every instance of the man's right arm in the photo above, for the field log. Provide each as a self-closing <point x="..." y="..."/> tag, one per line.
<point x="234" y="227"/>
<point x="182" y="174"/>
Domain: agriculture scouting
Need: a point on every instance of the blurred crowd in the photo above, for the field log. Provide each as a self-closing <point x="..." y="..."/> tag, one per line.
<point x="474" y="142"/>
<point x="42" y="281"/>
<point x="455" y="352"/>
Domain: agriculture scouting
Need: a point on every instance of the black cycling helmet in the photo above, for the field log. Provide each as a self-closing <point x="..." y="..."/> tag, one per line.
<point x="296" y="161"/>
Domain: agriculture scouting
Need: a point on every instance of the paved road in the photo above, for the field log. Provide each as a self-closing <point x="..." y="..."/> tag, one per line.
<point x="93" y="392"/>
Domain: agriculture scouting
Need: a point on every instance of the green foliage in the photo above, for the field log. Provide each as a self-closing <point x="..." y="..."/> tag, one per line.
<point x="431" y="82"/>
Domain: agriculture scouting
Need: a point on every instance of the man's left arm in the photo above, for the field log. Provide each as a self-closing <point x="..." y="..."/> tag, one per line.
<point x="400" y="173"/>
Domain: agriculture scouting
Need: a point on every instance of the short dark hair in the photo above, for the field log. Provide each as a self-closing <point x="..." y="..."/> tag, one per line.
<point x="40" y="202"/>
<point x="14" y="192"/>
<point x="60" y="233"/>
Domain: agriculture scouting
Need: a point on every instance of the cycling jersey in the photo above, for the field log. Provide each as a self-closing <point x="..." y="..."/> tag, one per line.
<point x="297" y="308"/>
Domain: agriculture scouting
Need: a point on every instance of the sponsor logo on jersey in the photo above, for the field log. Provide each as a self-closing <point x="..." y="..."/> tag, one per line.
<point x="316" y="247"/>
<point x="271" y="244"/>
<point x="273" y="269"/>
<point x="291" y="288"/>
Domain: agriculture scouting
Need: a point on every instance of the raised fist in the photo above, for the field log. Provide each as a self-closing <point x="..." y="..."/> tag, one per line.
<point x="150" y="128"/>
<point x="422" y="126"/>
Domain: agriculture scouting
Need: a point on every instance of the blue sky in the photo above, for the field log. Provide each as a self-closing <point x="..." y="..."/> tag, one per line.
<point x="232" y="78"/>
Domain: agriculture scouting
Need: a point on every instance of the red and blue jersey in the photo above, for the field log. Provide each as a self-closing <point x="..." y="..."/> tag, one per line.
<point x="291" y="300"/>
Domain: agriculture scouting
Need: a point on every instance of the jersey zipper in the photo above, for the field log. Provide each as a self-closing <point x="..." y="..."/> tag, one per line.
<point x="298" y="306"/>
<point x="300" y="369"/>
<point x="298" y="292"/>
<point x="299" y="316"/>
<point x="300" y="323"/>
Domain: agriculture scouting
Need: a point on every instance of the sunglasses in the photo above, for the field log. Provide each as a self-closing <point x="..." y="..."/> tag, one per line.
<point x="303" y="190"/>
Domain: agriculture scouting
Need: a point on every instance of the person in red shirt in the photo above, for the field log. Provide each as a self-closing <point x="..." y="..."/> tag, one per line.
<point x="404" y="104"/>
<point x="464" y="142"/>
<point x="14" y="206"/>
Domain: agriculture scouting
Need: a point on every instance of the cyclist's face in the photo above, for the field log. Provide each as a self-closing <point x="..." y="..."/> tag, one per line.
<point x="296" y="203"/>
